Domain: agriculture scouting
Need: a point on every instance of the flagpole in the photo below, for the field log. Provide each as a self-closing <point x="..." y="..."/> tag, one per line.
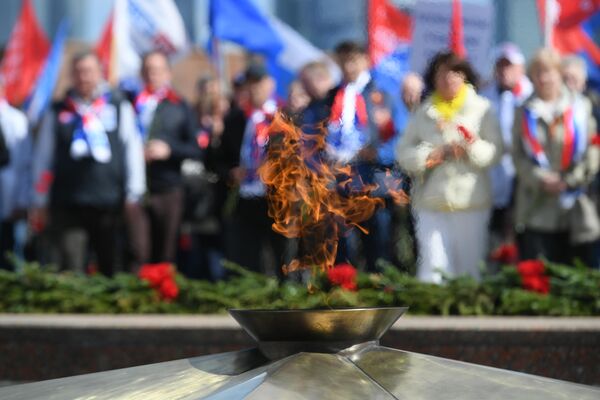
<point x="548" y="24"/>
<point x="219" y="62"/>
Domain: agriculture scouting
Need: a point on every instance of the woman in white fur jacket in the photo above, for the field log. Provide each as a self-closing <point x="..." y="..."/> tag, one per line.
<point x="447" y="148"/>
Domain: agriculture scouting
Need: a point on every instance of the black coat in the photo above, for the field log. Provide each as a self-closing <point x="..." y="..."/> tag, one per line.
<point x="173" y="123"/>
<point x="226" y="155"/>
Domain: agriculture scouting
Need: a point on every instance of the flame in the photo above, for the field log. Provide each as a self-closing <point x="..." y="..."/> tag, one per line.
<point x="310" y="198"/>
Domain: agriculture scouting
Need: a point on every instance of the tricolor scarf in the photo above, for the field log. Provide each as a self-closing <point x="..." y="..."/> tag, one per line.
<point x="146" y="103"/>
<point x="575" y="142"/>
<point x="348" y="121"/>
<point x="575" y="139"/>
<point x="89" y="137"/>
<point x="252" y="152"/>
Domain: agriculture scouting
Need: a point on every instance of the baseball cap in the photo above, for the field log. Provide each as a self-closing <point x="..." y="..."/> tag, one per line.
<point x="511" y="52"/>
<point x="255" y="72"/>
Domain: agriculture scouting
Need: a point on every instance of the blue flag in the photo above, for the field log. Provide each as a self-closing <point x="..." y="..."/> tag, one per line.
<point x="38" y="101"/>
<point x="389" y="75"/>
<point x="239" y="21"/>
<point x="592" y="28"/>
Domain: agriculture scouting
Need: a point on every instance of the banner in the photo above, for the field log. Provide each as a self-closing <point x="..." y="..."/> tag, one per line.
<point x="432" y="24"/>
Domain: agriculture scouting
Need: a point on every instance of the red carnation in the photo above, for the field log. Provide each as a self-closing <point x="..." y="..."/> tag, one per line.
<point x="343" y="275"/>
<point x="506" y="254"/>
<point x="536" y="283"/>
<point x="533" y="276"/>
<point x="531" y="267"/>
<point x="168" y="289"/>
<point x="161" y="278"/>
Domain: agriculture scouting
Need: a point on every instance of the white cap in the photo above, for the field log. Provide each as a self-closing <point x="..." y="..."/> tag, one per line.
<point x="510" y="52"/>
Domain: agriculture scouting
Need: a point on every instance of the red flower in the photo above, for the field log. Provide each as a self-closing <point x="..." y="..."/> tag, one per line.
<point x="156" y="273"/>
<point x="533" y="276"/>
<point x="343" y="275"/>
<point x="168" y="289"/>
<point x="536" y="283"/>
<point x="506" y="254"/>
<point x="531" y="267"/>
<point x="466" y="134"/>
<point x="161" y="278"/>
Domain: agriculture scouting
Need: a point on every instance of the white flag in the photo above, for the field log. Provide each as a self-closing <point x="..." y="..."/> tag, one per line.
<point x="141" y="26"/>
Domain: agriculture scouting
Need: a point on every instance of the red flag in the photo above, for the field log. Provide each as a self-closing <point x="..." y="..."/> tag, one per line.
<point x="25" y="55"/>
<point x="568" y="35"/>
<point x="104" y="48"/>
<point x="457" y="40"/>
<point x="388" y="26"/>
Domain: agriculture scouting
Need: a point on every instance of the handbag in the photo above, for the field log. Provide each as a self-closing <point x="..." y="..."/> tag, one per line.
<point x="583" y="221"/>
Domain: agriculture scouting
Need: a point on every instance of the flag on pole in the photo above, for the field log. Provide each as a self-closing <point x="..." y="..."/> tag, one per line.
<point x="388" y="28"/>
<point x="576" y="30"/>
<point x="297" y="52"/>
<point x="285" y="50"/>
<point x="37" y="103"/>
<point x="457" y="39"/>
<point x="25" y="55"/>
<point x="241" y="22"/>
<point x="390" y="33"/>
<point x="134" y="28"/>
<point x="104" y="49"/>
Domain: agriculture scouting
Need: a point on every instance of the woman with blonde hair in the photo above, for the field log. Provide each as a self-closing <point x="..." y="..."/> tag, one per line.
<point x="555" y="161"/>
<point x="449" y="144"/>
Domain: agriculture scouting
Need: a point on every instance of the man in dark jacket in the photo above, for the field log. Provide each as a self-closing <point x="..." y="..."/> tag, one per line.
<point x="168" y="131"/>
<point x="88" y="163"/>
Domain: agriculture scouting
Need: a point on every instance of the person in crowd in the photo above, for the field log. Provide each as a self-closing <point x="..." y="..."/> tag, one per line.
<point x="297" y="99"/>
<point x="15" y="181"/>
<point x="555" y="162"/>
<point x="88" y="163"/>
<point x="412" y="90"/>
<point x="250" y="229"/>
<point x="317" y="82"/>
<point x="168" y="131"/>
<point x="362" y="134"/>
<point x="574" y="72"/>
<point x="224" y="156"/>
<point x="447" y="148"/>
<point x="201" y="247"/>
<point x="508" y="91"/>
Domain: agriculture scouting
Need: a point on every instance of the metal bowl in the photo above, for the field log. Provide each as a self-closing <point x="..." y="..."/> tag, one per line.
<point x="283" y="332"/>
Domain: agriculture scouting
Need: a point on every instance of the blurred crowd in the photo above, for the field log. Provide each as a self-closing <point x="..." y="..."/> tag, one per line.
<point x="112" y="179"/>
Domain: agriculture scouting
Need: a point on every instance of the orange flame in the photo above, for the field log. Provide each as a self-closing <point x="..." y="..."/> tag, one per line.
<point x="311" y="199"/>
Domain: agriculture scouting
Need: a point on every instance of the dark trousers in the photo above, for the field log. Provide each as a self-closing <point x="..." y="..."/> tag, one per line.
<point x="249" y="233"/>
<point x="555" y="247"/>
<point x="375" y="245"/>
<point x="7" y="244"/>
<point x="153" y="228"/>
<point x="202" y="257"/>
<point x="70" y="230"/>
<point x="378" y="243"/>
